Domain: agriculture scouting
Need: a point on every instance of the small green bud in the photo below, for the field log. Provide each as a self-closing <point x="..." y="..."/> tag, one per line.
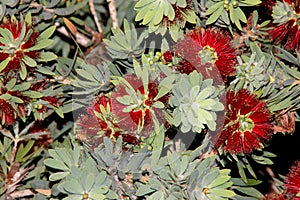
<point x="151" y="62"/>
<point x="226" y="2"/>
<point x="226" y="6"/>
<point x="235" y="4"/>
<point x="38" y="106"/>
<point x="149" y="148"/>
<point x="159" y="54"/>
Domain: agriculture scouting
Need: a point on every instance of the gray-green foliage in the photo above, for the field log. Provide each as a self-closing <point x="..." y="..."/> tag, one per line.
<point x="228" y="11"/>
<point x="250" y="73"/>
<point x="282" y="12"/>
<point x="181" y="176"/>
<point x="165" y="15"/>
<point x="78" y="174"/>
<point x="87" y="180"/>
<point x="196" y="102"/>
<point x="126" y="45"/>
<point x="120" y="164"/>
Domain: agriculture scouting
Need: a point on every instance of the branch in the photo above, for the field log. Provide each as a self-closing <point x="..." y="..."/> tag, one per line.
<point x="113" y="12"/>
<point x="94" y="13"/>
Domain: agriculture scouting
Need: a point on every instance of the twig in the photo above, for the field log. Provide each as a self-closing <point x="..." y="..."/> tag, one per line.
<point x="21" y="193"/>
<point x="113" y="12"/>
<point x="80" y="38"/>
<point x="94" y="13"/>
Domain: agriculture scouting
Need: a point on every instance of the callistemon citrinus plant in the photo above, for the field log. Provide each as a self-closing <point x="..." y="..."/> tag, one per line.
<point x="149" y="99"/>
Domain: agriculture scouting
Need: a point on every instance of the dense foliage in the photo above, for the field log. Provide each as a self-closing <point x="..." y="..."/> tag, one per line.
<point x="147" y="99"/>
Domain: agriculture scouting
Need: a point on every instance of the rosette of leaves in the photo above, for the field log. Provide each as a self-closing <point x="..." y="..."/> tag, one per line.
<point x="282" y="12"/>
<point x="90" y="80"/>
<point x="123" y="167"/>
<point x="63" y="159"/>
<point x="226" y="11"/>
<point x="282" y="90"/>
<point x="126" y="45"/>
<point x="250" y="73"/>
<point x="153" y="12"/>
<point x="14" y="50"/>
<point x="77" y="174"/>
<point x="18" y="96"/>
<point x="181" y="176"/>
<point x="86" y="182"/>
<point x="196" y="102"/>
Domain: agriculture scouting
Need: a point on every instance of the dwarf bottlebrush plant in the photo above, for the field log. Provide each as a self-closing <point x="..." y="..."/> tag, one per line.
<point x="149" y="99"/>
<point x="21" y="45"/>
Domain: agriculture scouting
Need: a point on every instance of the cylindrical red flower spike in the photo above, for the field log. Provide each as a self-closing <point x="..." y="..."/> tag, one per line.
<point x="9" y="113"/>
<point x="16" y="50"/>
<point x="287" y="32"/>
<point x="140" y="117"/>
<point x="209" y="51"/>
<point x="275" y="197"/>
<point x="292" y="182"/>
<point x="247" y="123"/>
<point x="92" y="129"/>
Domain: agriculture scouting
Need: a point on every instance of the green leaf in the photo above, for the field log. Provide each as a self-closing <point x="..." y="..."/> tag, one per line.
<point x="56" y="164"/>
<point x="46" y="56"/>
<point x="215" y="16"/>
<point x="22" y="151"/>
<point x="251" y="192"/>
<point x="29" y="61"/>
<point x="58" y="176"/>
<point x="46" y="34"/>
<point x="144" y="190"/>
<point x="218" y="181"/>
<point x="11" y="83"/>
<point x="181" y="3"/>
<point x="28" y="19"/>
<point x="23" y="71"/>
<point x="148" y="17"/>
<point x="33" y="94"/>
<point x="240" y="14"/>
<point x="4" y="63"/>
<point x="41" y="44"/>
<point x="45" y="70"/>
<point x="73" y="186"/>
<point x="64" y="11"/>
<point x="158" y="16"/>
<point x="222" y="192"/>
<point x="252" y="2"/>
<point x="22" y="87"/>
<point x="213" y="8"/>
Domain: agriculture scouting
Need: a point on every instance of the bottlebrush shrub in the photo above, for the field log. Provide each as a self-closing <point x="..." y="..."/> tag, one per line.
<point x="146" y="99"/>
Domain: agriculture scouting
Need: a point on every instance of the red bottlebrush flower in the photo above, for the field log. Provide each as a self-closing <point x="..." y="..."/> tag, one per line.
<point x="52" y="100"/>
<point x="287" y="31"/>
<point x="167" y="56"/>
<point x="292" y="183"/>
<point x="185" y="67"/>
<point x="10" y="111"/>
<point x="140" y="114"/>
<point x="208" y="51"/>
<point x="247" y="123"/>
<point x="92" y="129"/>
<point x="275" y="197"/>
<point x="16" y="50"/>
